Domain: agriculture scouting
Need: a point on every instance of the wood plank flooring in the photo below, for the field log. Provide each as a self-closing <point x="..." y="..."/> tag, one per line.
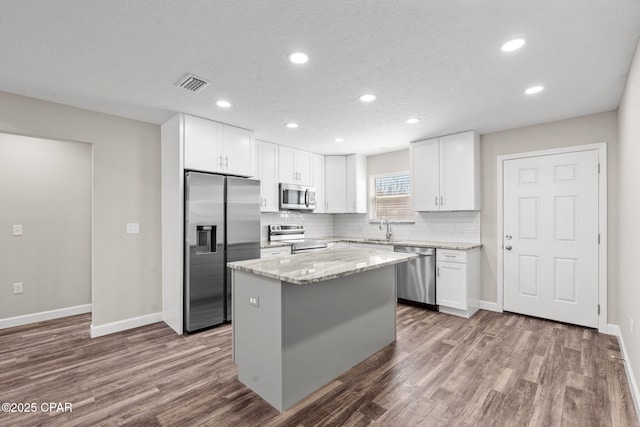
<point x="492" y="370"/>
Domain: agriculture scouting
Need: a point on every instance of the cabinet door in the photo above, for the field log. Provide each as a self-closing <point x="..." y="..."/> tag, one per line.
<point x="303" y="163"/>
<point x="318" y="182"/>
<point x="425" y="175"/>
<point x="336" y="184"/>
<point x="286" y="165"/>
<point x="451" y="285"/>
<point x="202" y="144"/>
<point x="459" y="172"/>
<point x="268" y="177"/>
<point x="238" y="151"/>
<point x="356" y="184"/>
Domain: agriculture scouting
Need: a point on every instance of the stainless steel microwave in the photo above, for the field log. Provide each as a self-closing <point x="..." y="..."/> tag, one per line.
<point x="297" y="197"/>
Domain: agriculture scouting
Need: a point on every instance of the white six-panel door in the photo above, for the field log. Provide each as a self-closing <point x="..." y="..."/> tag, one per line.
<point x="550" y="241"/>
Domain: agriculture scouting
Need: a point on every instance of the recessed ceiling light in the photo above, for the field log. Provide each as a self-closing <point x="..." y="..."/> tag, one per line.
<point x="534" y="89"/>
<point x="298" y="58"/>
<point x="292" y="125"/>
<point x="338" y="140"/>
<point x="367" y="97"/>
<point x="412" y="120"/>
<point x="512" y="45"/>
<point x="223" y="104"/>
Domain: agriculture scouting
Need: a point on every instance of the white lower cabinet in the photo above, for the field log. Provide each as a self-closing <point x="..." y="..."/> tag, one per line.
<point x="277" y="251"/>
<point x="458" y="281"/>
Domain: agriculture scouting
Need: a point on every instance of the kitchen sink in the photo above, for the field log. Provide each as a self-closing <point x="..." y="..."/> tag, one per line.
<point x="377" y="240"/>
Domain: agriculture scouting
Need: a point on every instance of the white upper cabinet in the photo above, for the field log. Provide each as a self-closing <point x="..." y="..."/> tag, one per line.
<point x="445" y="173"/>
<point x="296" y="166"/>
<point x="356" y="183"/>
<point x="318" y="182"/>
<point x="335" y="184"/>
<point x="215" y="147"/>
<point x="425" y="175"/>
<point x="346" y="184"/>
<point x="238" y="149"/>
<point x="268" y="175"/>
<point x="202" y="144"/>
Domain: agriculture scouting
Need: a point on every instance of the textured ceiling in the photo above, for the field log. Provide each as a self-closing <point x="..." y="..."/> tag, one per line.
<point x="438" y="60"/>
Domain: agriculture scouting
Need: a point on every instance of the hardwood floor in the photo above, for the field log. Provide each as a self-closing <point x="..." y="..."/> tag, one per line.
<point x="494" y="369"/>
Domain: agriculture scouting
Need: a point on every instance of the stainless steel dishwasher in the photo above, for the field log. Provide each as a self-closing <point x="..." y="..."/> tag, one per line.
<point x="416" y="279"/>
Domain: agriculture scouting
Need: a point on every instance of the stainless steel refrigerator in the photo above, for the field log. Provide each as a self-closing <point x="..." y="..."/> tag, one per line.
<point x="222" y="224"/>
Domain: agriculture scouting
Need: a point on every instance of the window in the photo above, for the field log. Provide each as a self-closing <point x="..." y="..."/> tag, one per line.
<point x="390" y="197"/>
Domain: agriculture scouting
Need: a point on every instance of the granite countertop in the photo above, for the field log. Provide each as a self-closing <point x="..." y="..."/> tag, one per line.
<point x="415" y="243"/>
<point x="314" y="267"/>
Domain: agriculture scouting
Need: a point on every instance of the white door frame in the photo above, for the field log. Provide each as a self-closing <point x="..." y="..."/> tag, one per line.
<point x="602" y="221"/>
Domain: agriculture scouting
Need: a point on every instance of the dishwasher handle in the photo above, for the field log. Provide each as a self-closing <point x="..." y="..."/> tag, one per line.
<point x="415" y="250"/>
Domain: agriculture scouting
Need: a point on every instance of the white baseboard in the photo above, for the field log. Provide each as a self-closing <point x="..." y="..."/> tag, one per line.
<point x="615" y="329"/>
<point x="488" y="305"/>
<point x="610" y="329"/>
<point x="26" y="319"/>
<point x="123" y="325"/>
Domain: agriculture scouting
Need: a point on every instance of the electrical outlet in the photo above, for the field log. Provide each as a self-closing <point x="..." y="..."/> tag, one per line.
<point x="133" y="228"/>
<point x="17" y="230"/>
<point x="17" y="288"/>
<point x="254" y="302"/>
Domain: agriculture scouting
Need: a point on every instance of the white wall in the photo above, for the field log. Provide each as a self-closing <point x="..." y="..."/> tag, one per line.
<point x="45" y="186"/>
<point x="126" y="188"/>
<point x="395" y="161"/>
<point x="590" y="129"/>
<point x="629" y="223"/>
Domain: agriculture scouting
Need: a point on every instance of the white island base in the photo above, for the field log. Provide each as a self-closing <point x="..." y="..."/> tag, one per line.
<point x="289" y="339"/>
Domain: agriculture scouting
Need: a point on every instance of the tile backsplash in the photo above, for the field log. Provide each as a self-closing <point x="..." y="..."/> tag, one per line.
<point x="459" y="227"/>
<point x="316" y="225"/>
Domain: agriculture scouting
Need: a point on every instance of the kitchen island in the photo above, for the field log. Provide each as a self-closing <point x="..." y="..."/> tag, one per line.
<point x="300" y="321"/>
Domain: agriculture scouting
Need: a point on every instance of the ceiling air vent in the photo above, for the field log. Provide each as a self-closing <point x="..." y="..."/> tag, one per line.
<point x="193" y="84"/>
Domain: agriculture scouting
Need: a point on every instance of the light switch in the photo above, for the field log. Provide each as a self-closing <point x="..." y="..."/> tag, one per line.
<point x="133" y="228"/>
<point x="17" y="230"/>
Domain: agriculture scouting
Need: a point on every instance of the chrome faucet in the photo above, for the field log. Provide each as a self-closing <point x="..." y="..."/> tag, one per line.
<point x="388" y="235"/>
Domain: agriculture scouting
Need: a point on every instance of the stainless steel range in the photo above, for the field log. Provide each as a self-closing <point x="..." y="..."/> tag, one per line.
<point x="294" y="234"/>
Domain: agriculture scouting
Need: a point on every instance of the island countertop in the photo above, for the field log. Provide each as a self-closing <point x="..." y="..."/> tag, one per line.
<point x="314" y="267"/>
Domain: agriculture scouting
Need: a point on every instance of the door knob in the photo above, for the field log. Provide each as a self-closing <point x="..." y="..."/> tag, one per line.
<point x="508" y="247"/>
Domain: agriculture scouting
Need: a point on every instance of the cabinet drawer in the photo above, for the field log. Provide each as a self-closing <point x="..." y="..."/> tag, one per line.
<point x="268" y="252"/>
<point x="451" y="255"/>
